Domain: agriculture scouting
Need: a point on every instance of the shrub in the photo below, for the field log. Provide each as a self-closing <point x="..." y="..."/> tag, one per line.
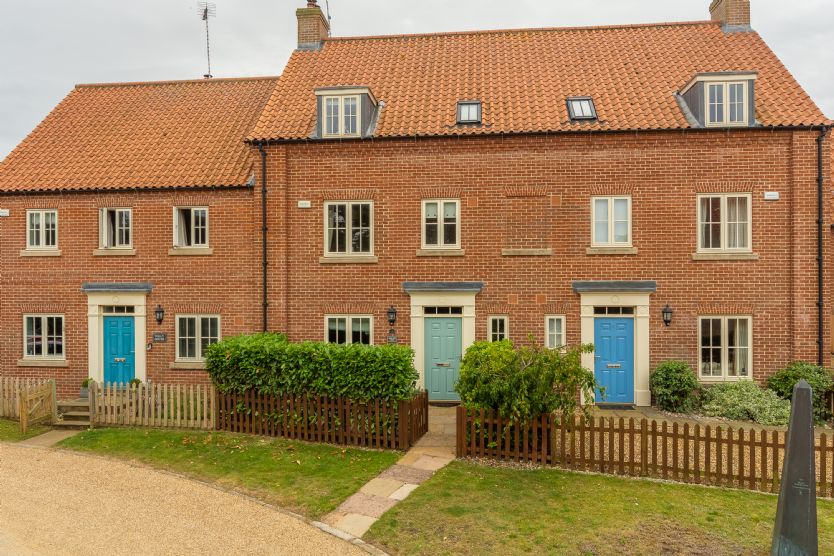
<point x="783" y="381"/>
<point x="673" y="385"/>
<point x="746" y="401"/>
<point x="268" y="363"/>
<point x="525" y="382"/>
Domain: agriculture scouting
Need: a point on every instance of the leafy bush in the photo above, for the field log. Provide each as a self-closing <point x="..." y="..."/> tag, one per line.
<point x="270" y="364"/>
<point x="746" y="401"/>
<point x="783" y="381"/>
<point x="673" y="385"/>
<point x="523" y="382"/>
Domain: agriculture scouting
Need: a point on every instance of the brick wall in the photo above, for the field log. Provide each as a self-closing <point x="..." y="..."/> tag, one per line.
<point x="731" y="12"/>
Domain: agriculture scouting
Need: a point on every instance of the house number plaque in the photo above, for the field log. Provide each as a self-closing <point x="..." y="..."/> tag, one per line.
<point x="160" y="337"/>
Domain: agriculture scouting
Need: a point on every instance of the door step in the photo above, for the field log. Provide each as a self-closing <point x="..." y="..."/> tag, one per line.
<point x="72" y="425"/>
<point x="74" y="414"/>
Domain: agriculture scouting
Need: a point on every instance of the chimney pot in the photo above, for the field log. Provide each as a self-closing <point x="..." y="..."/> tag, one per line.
<point x="313" y="26"/>
<point x="731" y="13"/>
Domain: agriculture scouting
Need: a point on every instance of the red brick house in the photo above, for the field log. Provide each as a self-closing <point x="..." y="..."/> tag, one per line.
<point x="651" y="189"/>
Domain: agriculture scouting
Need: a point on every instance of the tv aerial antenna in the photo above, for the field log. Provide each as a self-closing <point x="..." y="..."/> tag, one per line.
<point x="207" y="10"/>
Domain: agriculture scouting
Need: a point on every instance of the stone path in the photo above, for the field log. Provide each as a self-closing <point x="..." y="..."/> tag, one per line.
<point x="433" y="452"/>
<point x="48" y="439"/>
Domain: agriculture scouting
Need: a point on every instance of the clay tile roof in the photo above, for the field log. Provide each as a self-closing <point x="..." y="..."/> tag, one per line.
<point x="142" y="135"/>
<point x="523" y="78"/>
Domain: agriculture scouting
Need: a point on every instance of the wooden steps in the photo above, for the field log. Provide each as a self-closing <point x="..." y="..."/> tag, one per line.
<point x="73" y="414"/>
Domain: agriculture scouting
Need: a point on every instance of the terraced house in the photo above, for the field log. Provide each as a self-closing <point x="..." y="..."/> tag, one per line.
<point x="661" y="191"/>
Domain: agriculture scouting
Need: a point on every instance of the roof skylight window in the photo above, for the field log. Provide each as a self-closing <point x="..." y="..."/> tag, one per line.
<point x="581" y="108"/>
<point x="469" y="112"/>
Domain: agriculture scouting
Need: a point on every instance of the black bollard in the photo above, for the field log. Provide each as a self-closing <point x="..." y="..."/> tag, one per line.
<point x="795" y="532"/>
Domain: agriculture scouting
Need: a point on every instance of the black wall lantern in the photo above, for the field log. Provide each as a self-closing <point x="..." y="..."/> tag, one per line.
<point x="159" y="313"/>
<point x="667" y="315"/>
<point x="392" y="315"/>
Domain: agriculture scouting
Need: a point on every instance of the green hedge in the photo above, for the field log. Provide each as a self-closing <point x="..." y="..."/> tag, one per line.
<point x="269" y="364"/>
<point x="673" y="385"/>
<point x="783" y="381"/>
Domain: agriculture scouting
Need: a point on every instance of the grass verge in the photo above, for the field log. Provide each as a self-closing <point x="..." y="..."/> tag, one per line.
<point x="10" y="431"/>
<point x="471" y="509"/>
<point x="310" y="479"/>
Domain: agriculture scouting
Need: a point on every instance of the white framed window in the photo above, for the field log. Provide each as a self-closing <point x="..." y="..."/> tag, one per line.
<point x="349" y="228"/>
<point x="726" y="103"/>
<point x="41" y="229"/>
<point x="611" y="221"/>
<point x="191" y="227"/>
<point x="441" y="224"/>
<point x="469" y="112"/>
<point x="724" y="347"/>
<point x="43" y="337"/>
<point x="194" y="334"/>
<point x="498" y="328"/>
<point x="349" y="329"/>
<point x="554" y="331"/>
<point x="341" y="116"/>
<point x="115" y="228"/>
<point x="725" y="222"/>
<point x="581" y="108"/>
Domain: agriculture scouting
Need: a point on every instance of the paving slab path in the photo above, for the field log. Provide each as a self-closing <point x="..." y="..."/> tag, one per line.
<point x="431" y="453"/>
<point x="59" y="502"/>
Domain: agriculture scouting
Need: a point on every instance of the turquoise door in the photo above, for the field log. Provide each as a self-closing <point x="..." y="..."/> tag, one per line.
<point x="614" y="359"/>
<point x="119" y="353"/>
<point x="443" y="351"/>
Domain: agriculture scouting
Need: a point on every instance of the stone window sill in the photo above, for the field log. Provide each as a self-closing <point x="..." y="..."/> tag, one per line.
<point x="114" y="252"/>
<point x="720" y="380"/>
<point x="51" y="363"/>
<point x="725" y="256"/>
<point x="190" y="251"/>
<point x="40" y="253"/>
<point x="188" y="365"/>
<point x="441" y="252"/>
<point x="349" y="260"/>
<point x="611" y="251"/>
<point x="526" y="252"/>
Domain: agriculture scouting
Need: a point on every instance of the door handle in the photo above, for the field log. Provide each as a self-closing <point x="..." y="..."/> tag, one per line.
<point x="614" y="365"/>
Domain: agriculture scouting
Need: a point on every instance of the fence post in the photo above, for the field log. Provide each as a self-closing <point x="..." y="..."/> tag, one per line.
<point x="92" y="394"/>
<point x="644" y="447"/>
<point x="23" y="409"/>
<point x="402" y="425"/>
<point x="54" y="402"/>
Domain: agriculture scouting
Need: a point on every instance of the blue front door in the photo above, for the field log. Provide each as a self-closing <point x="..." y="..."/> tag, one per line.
<point x="614" y="359"/>
<point x="119" y="351"/>
<point x="443" y="350"/>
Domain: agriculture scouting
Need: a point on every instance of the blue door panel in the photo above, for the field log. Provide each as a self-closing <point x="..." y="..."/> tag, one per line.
<point x="119" y="351"/>
<point x="442" y="358"/>
<point x="614" y="359"/>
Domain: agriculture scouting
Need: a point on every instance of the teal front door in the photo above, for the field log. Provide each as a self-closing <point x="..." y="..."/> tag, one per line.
<point x="614" y="359"/>
<point x="443" y="351"/>
<point x="119" y="351"/>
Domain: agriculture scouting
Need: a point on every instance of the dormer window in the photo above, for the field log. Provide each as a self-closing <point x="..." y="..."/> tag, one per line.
<point x="469" y="112"/>
<point x="344" y="112"/>
<point x="727" y="104"/>
<point x="581" y="108"/>
<point x="720" y="100"/>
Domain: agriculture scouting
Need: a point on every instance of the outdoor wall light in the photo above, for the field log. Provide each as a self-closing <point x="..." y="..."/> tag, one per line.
<point x="392" y="315"/>
<point x="667" y="315"/>
<point x="159" y="313"/>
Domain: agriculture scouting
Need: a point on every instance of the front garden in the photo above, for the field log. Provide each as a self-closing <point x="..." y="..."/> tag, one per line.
<point x="10" y="431"/>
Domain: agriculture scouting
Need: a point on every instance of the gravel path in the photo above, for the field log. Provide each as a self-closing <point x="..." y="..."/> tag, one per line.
<point x="55" y="502"/>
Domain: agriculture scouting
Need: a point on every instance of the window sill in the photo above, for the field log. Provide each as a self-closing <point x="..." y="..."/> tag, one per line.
<point x="40" y="253"/>
<point x="52" y="363"/>
<point x="190" y="251"/>
<point x="114" y="252"/>
<point x="725" y="256"/>
<point x="349" y="260"/>
<point x="526" y="252"/>
<point x="441" y="252"/>
<point x="721" y="380"/>
<point x="188" y="365"/>
<point x="611" y="251"/>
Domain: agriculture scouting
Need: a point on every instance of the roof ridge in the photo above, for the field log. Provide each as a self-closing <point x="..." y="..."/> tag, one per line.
<point x="175" y="81"/>
<point x="525" y="29"/>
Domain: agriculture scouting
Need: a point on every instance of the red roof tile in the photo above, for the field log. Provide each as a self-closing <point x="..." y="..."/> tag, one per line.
<point x="141" y="135"/>
<point x="523" y="78"/>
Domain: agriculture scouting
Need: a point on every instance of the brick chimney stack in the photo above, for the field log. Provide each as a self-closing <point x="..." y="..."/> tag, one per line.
<point x="313" y="26"/>
<point x="731" y="13"/>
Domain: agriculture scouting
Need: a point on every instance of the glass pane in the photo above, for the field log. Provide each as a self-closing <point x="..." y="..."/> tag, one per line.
<point x="34" y="339"/>
<point x="431" y="224"/>
<point x="361" y="331"/>
<point x="360" y="228"/>
<point x="601" y="221"/>
<point x="711" y="347"/>
<point x="188" y="337"/>
<point x="200" y="219"/>
<point x="336" y="330"/>
<point x="50" y="229"/>
<point x="34" y="229"/>
<point x="350" y="116"/>
<point x="716" y="103"/>
<point x="337" y="228"/>
<point x="498" y="331"/>
<point x="621" y="232"/>
<point x="332" y="116"/>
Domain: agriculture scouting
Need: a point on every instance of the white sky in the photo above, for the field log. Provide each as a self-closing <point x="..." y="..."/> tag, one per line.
<point x="47" y="46"/>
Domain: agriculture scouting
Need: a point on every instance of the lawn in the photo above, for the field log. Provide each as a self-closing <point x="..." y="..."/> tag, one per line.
<point x="471" y="509"/>
<point x="10" y="431"/>
<point x="311" y="479"/>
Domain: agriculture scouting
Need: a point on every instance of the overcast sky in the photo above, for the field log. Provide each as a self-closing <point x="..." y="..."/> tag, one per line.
<point x="47" y="46"/>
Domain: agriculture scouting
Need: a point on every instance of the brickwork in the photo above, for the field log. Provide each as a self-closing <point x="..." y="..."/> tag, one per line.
<point x="731" y="12"/>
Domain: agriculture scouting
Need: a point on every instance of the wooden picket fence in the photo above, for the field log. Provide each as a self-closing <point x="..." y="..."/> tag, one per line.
<point x="711" y="455"/>
<point x="37" y="404"/>
<point x="177" y="406"/>
<point x="372" y="424"/>
<point x="10" y="388"/>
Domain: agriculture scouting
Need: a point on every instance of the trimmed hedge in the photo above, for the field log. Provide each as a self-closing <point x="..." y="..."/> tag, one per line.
<point x="783" y="381"/>
<point x="269" y="364"/>
<point x="673" y="385"/>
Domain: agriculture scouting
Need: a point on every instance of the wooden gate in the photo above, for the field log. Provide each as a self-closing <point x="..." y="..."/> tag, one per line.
<point x="37" y="404"/>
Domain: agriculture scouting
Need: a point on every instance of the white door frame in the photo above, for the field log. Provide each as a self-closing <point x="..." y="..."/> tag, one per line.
<point x="96" y="301"/>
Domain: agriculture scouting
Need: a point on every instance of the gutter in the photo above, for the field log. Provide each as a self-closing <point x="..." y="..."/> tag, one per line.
<point x="820" y="263"/>
<point x="264" y="230"/>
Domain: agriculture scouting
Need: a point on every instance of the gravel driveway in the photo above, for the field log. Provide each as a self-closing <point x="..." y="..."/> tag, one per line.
<point x="55" y="502"/>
